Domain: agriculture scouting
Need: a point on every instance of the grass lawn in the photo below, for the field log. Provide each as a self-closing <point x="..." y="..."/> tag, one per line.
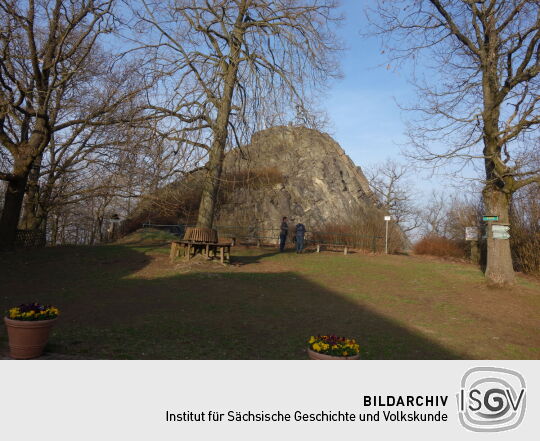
<point x="128" y="301"/>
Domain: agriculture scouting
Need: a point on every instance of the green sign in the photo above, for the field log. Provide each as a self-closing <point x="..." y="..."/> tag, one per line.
<point x="490" y="218"/>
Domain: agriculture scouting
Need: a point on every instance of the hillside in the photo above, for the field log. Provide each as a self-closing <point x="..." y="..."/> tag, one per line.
<point x="288" y="171"/>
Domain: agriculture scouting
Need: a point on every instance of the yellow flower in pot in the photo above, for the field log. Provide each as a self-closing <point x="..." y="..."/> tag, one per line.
<point x="332" y="347"/>
<point x="28" y="327"/>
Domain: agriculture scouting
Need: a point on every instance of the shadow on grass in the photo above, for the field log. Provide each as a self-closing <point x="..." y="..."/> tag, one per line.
<point x="109" y="313"/>
<point x="255" y="258"/>
<point x="268" y="252"/>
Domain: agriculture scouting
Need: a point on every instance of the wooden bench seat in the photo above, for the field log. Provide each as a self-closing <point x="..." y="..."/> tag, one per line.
<point x="206" y="248"/>
<point x="257" y="240"/>
<point x="332" y="245"/>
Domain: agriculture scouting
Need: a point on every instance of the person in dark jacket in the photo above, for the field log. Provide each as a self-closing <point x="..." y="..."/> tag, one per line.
<point x="299" y="233"/>
<point x="284" y="230"/>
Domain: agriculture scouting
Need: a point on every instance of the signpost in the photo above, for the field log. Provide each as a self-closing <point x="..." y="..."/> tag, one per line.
<point x="471" y="233"/>
<point x="500" y="231"/>
<point x="496" y="231"/>
<point x="386" y="219"/>
<point x="114" y="225"/>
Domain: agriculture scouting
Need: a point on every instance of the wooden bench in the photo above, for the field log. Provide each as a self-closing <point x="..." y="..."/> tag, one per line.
<point x="255" y="240"/>
<point x="320" y="244"/>
<point x="197" y="234"/>
<point x="206" y="248"/>
<point x="259" y="240"/>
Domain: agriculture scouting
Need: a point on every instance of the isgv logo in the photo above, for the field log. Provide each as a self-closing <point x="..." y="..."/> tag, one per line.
<point x="491" y="399"/>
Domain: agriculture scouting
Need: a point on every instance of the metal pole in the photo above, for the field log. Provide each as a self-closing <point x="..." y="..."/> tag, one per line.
<point x="386" y="241"/>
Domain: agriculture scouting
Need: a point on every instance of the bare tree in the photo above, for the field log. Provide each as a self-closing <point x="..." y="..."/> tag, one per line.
<point x="433" y="215"/>
<point x="390" y="182"/>
<point x="447" y="215"/>
<point x="89" y="140"/>
<point x="463" y="211"/>
<point x="230" y="63"/>
<point x="525" y="231"/>
<point x="104" y="172"/>
<point x="479" y="90"/>
<point x="45" y="48"/>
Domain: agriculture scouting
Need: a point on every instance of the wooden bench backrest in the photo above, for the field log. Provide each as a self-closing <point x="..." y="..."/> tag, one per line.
<point x="201" y="235"/>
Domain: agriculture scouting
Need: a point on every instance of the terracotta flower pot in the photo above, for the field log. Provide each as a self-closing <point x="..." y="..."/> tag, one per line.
<point x="313" y="355"/>
<point x="27" y="339"/>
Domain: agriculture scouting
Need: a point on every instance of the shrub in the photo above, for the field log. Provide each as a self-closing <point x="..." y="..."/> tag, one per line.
<point x="365" y="230"/>
<point x="525" y="230"/>
<point x="439" y="246"/>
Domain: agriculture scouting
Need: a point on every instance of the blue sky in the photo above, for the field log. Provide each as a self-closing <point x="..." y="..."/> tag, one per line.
<point x="366" y="120"/>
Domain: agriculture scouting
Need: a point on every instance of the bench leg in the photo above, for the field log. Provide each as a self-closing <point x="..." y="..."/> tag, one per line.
<point x="345" y="250"/>
<point x="318" y="248"/>
<point x="221" y="254"/>
<point x="207" y="251"/>
<point x="188" y="254"/>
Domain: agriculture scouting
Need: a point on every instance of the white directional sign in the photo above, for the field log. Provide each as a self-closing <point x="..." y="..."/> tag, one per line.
<point x="501" y="231"/>
<point x="471" y="233"/>
<point x="386" y="219"/>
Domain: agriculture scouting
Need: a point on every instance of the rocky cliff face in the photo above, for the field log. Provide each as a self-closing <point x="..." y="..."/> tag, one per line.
<point x="295" y="172"/>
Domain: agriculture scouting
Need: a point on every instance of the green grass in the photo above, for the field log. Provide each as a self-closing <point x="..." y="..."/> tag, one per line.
<point x="127" y="301"/>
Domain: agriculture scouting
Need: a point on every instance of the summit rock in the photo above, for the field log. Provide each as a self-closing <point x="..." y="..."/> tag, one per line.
<point x="296" y="172"/>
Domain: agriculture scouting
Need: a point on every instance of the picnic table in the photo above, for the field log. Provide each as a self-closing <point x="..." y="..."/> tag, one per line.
<point x="224" y="249"/>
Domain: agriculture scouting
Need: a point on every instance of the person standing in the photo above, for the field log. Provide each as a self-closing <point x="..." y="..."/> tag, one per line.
<point x="300" y="232"/>
<point x="284" y="230"/>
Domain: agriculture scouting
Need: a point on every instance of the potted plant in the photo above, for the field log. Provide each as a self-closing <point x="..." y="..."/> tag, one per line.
<point x="332" y="347"/>
<point x="28" y="327"/>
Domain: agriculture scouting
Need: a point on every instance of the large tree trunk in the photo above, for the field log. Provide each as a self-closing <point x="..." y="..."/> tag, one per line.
<point x="207" y="206"/>
<point x="499" y="269"/>
<point x="11" y="212"/>
<point x="32" y="218"/>
<point x="498" y="189"/>
<point x="27" y="152"/>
